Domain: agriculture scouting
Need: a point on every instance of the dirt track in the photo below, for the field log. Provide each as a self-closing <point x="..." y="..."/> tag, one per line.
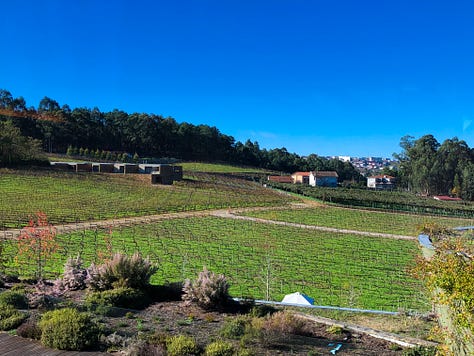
<point x="222" y="213"/>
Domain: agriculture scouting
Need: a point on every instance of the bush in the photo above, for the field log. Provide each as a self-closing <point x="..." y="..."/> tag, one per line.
<point x="284" y="322"/>
<point x="234" y="328"/>
<point x="181" y="345"/>
<point x="16" y="299"/>
<point x="29" y="330"/>
<point x="68" y="329"/>
<point x="219" y="348"/>
<point x="119" y="297"/>
<point x="121" y="271"/>
<point x="10" y="318"/>
<point x="208" y="290"/>
<point x="262" y="310"/>
<point x="74" y="276"/>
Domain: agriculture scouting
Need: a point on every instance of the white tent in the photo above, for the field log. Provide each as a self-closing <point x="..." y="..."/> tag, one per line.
<point x="298" y="298"/>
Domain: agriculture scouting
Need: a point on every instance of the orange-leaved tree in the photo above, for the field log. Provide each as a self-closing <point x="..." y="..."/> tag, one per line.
<point x="37" y="242"/>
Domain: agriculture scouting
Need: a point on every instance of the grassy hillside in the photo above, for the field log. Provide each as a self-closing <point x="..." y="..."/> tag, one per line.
<point x="220" y="168"/>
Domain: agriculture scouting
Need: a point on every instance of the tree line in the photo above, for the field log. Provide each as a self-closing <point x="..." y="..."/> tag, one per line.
<point x="150" y="135"/>
<point x="430" y="168"/>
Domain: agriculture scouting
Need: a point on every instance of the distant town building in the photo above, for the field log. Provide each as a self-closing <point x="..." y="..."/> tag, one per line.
<point x="344" y="158"/>
<point x="381" y="182"/>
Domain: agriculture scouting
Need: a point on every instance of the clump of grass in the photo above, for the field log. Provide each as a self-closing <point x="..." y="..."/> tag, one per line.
<point x="335" y="329"/>
<point x="182" y="345"/>
<point x="209" y="290"/>
<point x="234" y="328"/>
<point x="219" y="348"/>
<point x="122" y="271"/>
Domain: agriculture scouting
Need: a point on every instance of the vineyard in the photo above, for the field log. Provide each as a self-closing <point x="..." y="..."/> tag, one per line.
<point x="390" y="201"/>
<point x="75" y="197"/>
<point x="360" y="220"/>
<point x="261" y="261"/>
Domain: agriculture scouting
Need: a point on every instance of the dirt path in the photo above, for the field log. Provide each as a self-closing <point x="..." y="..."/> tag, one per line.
<point x="222" y="213"/>
<point x="229" y="215"/>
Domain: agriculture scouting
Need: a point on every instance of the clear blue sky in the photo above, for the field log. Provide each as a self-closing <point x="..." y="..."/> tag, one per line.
<point x="315" y="76"/>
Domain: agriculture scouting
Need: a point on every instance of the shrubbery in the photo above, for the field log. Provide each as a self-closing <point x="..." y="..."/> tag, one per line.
<point x="74" y="276"/>
<point x="284" y="322"/>
<point x="122" y="271"/>
<point x="208" y="290"/>
<point x="122" y="297"/>
<point x="219" y="348"/>
<point x="234" y="328"/>
<point x="10" y="318"/>
<point x="16" y="299"/>
<point x="180" y="345"/>
<point x="68" y="329"/>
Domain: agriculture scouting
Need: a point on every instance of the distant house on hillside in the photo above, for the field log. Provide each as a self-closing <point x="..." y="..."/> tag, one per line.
<point x="323" y="178"/>
<point x="280" y="179"/>
<point x="381" y="182"/>
<point x="300" y="177"/>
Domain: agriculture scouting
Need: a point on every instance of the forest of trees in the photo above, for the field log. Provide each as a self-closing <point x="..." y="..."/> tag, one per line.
<point x="150" y="135"/>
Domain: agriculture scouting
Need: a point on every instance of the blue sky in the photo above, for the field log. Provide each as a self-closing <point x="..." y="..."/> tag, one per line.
<point x="315" y="76"/>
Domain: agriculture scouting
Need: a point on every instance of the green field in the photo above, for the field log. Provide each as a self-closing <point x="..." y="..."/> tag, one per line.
<point x="261" y="261"/>
<point x="72" y="197"/>
<point x="358" y="219"/>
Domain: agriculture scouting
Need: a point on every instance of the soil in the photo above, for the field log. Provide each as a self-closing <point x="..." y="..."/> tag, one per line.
<point x="176" y="317"/>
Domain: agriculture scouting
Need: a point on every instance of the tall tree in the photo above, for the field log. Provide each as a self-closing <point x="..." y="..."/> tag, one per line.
<point x="16" y="149"/>
<point x="420" y="164"/>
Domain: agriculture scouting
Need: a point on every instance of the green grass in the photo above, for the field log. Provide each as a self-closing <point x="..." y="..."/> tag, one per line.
<point x="219" y="168"/>
<point x="71" y="197"/>
<point x="360" y="220"/>
<point x="261" y="261"/>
